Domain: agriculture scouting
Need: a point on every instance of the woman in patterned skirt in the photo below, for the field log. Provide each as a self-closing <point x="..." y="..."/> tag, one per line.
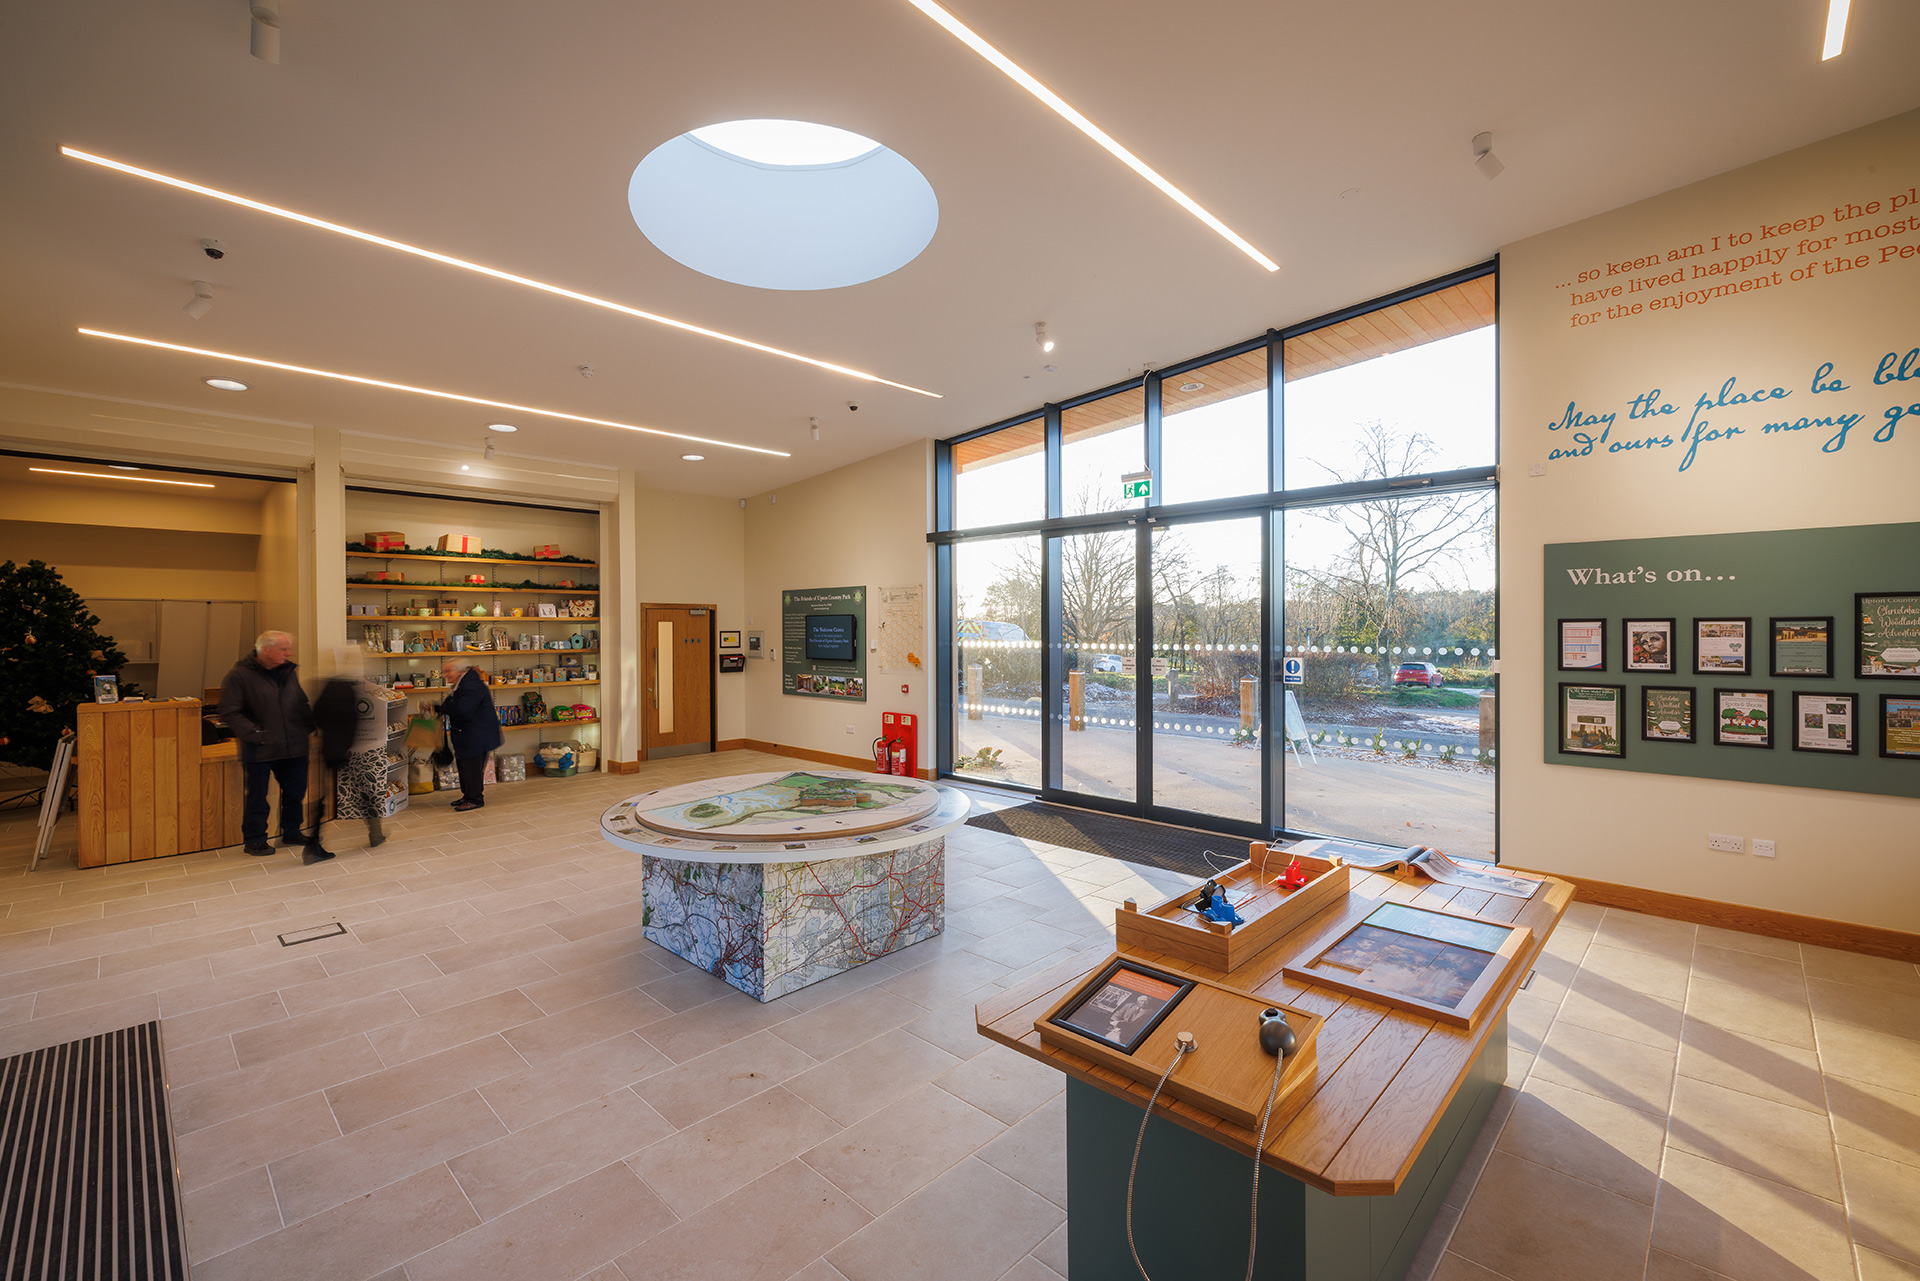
<point x="351" y="716"/>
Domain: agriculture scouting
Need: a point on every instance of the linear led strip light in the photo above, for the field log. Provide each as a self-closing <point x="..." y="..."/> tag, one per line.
<point x="144" y="480"/>
<point x="405" y="248"/>
<point x="428" y="391"/>
<point x="1013" y="71"/>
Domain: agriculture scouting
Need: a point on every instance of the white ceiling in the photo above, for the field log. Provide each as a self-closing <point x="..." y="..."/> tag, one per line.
<point x="506" y="132"/>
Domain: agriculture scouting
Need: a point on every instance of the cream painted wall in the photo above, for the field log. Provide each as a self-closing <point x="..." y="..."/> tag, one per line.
<point x="691" y="550"/>
<point x="278" y="567"/>
<point x="1843" y="856"/>
<point x="104" y="562"/>
<point x="142" y="509"/>
<point x="865" y="525"/>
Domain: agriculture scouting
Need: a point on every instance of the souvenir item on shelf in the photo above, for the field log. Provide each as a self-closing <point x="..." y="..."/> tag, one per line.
<point x="556" y="759"/>
<point x="474" y="580"/>
<point x="533" y="707"/>
<point x="563" y="712"/>
<point x="583" y="711"/>
<point x="580" y="608"/>
<point x="546" y="551"/>
<point x="386" y="576"/>
<point x="388" y="540"/>
<point x="510" y="767"/>
<point x="465" y="544"/>
<point x="516" y="612"/>
<point x="577" y="641"/>
<point x="496" y="609"/>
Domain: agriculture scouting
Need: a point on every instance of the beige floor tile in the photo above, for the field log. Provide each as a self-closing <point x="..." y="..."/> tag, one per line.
<point x="773" y="1227"/>
<point x="1030" y="1269"/>
<point x="1604" y="1005"/>
<point x="902" y="1147"/>
<point x="1647" y="973"/>
<point x="1005" y="1085"/>
<point x="357" y="984"/>
<point x="329" y="1174"/>
<point x="833" y="1028"/>
<point x="1747" y="1227"/>
<point x="362" y="1238"/>
<point x="527" y="1164"/>
<point x="1662" y="1266"/>
<point x="1655" y="934"/>
<point x="524" y="1098"/>
<point x="392" y="1091"/>
<point x="1775" y="976"/>
<point x="1034" y="1151"/>
<point x="1874" y="1008"/>
<point x="222" y="1216"/>
<point x="1773" y="1140"/>
<point x="1526" y="1221"/>
<point x="222" y="1098"/>
<point x="721" y="1078"/>
<point x="119" y="985"/>
<point x="190" y="1063"/>
<point x="385" y="951"/>
<point x="1750" y="1013"/>
<point x="566" y="1233"/>
<point x="224" y="1020"/>
<point x="1859" y="1054"/>
<point x="1867" y="971"/>
<point x="716" y="1157"/>
<point x="429" y="1034"/>
<point x="1639" y="1076"/>
<point x="869" y="1076"/>
<point x="554" y="1036"/>
<point x="1529" y="1018"/>
<point x="592" y="982"/>
<point x="1608" y="1144"/>
<point x="1753" y="1065"/>
<point x="332" y="1023"/>
<point x="1872" y="1118"/>
<point x="1875" y="1266"/>
<point x="970" y="1224"/>
<point x="256" y="1139"/>
<point x="38" y="1034"/>
<point x="694" y="988"/>
<point x="1023" y="944"/>
<point x="1453" y="1267"/>
<point x="952" y="1026"/>
<point x="47" y="978"/>
<point x="1053" y="1250"/>
<point x="1883" y="1204"/>
<point x="434" y="994"/>
<point x="1758" y="944"/>
<point x="466" y="956"/>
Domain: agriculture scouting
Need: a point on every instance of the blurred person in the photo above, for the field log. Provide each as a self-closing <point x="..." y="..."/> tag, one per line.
<point x="473" y="728"/>
<point x="350" y="713"/>
<point x="262" y="702"/>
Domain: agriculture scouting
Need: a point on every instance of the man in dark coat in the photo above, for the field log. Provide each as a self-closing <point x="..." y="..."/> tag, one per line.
<point x="262" y="702"/>
<point x="474" y="729"/>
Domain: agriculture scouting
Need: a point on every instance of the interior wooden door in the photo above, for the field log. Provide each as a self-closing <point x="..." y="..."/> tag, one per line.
<point x="677" y="698"/>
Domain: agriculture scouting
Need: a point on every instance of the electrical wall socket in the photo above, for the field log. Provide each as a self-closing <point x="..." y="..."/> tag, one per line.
<point x="1721" y="841"/>
<point x="1763" y="849"/>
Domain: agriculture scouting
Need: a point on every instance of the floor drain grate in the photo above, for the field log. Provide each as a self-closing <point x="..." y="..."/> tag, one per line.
<point x="312" y="934"/>
<point x="87" y="1173"/>
<point x="1528" y="981"/>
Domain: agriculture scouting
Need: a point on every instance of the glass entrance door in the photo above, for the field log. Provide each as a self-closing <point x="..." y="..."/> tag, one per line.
<point x="1095" y="701"/>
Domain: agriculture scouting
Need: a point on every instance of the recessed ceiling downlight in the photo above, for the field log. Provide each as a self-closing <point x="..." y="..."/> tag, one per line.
<point x="225" y="384"/>
<point x="693" y="458"/>
<point x="501" y="427"/>
<point x="783" y="204"/>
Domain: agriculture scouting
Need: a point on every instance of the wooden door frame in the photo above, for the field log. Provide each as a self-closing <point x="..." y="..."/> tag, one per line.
<point x="648" y="675"/>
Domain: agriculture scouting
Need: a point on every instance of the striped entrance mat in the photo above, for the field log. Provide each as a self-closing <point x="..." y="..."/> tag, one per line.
<point x="1174" y="849"/>
<point x="88" y="1186"/>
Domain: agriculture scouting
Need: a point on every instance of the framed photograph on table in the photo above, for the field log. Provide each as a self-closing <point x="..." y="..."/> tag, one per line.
<point x="1887" y="642"/>
<point x="1800" y="646"/>
<point x="1666" y="714"/>
<point x="1433" y="963"/>
<point x="1720" y="647"/>
<point x="1647" y="644"/>
<point x="1583" y="644"/>
<point x="1900" y="726"/>
<point x="1590" y="719"/>
<point x="1826" y="723"/>
<point x="1743" y="717"/>
<point x="1123" y="1005"/>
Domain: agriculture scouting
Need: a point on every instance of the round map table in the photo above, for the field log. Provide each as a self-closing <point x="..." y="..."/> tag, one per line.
<point x="774" y="881"/>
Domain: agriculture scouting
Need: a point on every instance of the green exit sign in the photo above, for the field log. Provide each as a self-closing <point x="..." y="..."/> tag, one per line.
<point x="1137" y="485"/>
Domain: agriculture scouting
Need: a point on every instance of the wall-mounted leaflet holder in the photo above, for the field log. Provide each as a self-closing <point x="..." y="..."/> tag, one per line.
<point x="733" y="662"/>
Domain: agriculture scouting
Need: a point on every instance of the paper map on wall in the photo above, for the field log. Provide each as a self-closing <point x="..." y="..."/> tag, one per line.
<point x="902" y="633"/>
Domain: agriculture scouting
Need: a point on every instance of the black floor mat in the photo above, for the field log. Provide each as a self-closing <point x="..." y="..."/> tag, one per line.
<point x="1175" y="849"/>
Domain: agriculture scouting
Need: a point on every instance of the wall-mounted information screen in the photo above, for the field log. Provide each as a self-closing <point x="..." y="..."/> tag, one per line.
<point x="823" y="647"/>
<point x="832" y="637"/>
<point x="1768" y="623"/>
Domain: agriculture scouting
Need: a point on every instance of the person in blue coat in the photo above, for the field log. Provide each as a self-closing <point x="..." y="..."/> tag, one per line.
<point x="473" y="728"/>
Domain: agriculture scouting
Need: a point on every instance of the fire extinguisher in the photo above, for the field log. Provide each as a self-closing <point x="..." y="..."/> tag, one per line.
<point x="881" y="755"/>
<point x="899" y="755"/>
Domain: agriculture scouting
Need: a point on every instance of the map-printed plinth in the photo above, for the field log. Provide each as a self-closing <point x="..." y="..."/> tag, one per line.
<point x="775" y="881"/>
<point x="773" y="928"/>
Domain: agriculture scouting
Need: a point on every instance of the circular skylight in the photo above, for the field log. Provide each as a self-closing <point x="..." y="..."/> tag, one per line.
<point x="783" y="204"/>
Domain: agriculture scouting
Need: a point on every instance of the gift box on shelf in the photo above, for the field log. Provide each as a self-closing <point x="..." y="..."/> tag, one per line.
<point x="546" y="551"/>
<point x="390" y="540"/>
<point x="477" y="580"/>
<point x="386" y="576"/>
<point x="465" y="544"/>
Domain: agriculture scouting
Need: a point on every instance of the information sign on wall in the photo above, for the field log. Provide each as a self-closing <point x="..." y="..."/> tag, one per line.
<point x="823" y="643"/>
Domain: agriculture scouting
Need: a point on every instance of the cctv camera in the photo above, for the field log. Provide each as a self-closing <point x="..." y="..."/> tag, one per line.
<point x="854" y="406"/>
<point x="213" y="249"/>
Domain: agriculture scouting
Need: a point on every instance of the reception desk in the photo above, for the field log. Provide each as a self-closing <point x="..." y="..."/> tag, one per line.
<point x="1358" y="1158"/>
<point x="148" y="789"/>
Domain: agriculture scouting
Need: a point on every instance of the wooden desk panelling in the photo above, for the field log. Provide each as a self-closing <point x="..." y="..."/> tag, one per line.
<point x="144" y="788"/>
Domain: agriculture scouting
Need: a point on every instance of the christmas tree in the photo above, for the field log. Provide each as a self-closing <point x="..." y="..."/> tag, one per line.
<point x="49" y="655"/>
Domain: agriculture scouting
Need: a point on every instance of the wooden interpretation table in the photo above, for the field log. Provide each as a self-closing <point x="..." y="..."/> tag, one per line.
<point x="148" y="789"/>
<point x="1365" y="1151"/>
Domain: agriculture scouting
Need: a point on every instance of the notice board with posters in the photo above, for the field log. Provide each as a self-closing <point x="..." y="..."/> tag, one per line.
<point x="1783" y="585"/>
<point x="823" y="643"/>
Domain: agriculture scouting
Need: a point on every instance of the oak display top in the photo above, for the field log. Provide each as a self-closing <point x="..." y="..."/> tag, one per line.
<point x="1384" y="1076"/>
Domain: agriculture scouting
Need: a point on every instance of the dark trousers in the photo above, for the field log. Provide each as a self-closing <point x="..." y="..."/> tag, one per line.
<point x="291" y="774"/>
<point x="472" y="770"/>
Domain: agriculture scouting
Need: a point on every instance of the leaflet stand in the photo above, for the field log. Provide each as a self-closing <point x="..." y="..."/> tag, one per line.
<point x="50" y="800"/>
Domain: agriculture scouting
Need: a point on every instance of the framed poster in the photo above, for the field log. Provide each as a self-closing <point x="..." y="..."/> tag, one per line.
<point x="1800" y="646"/>
<point x="1647" y="644"/>
<point x="1887" y="643"/>
<point x="1583" y="644"/>
<point x="1590" y="719"/>
<point x="729" y="640"/>
<point x="1121" y="1005"/>
<point x="1826" y="723"/>
<point x="1720" y="647"/>
<point x="1900" y="726"/>
<point x="1416" y="959"/>
<point x="1743" y="717"/>
<point x="1666" y="714"/>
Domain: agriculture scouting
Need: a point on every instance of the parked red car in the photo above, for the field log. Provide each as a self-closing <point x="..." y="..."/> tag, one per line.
<point x="1417" y="674"/>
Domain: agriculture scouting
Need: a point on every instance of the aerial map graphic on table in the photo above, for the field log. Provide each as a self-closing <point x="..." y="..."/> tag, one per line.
<point x="796" y="804"/>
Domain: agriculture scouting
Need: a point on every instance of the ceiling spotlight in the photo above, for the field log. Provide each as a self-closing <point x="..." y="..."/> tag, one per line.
<point x="225" y="384"/>
<point x="1483" y="158"/>
<point x="693" y="458"/>
<point x="464" y="467"/>
<point x="813" y="426"/>
<point x="1192" y="386"/>
<point x="202" y="301"/>
<point x="586" y="371"/>
<point x="487" y="453"/>
<point x="266" y="31"/>
<point x="506" y="427"/>
<point x="1836" y="29"/>
<point x="1040" y="336"/>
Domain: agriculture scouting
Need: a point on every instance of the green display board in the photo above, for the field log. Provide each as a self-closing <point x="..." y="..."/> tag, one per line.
<point x="1797" y="576"/>
<point x="820" y="677"/>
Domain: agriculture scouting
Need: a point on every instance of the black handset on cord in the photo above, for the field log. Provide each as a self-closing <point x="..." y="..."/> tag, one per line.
<point x="1276" y="1034"/>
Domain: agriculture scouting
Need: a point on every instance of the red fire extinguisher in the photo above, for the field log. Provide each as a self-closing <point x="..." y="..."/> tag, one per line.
<point x="899" y="755"/>
<point x="881" y="756"/>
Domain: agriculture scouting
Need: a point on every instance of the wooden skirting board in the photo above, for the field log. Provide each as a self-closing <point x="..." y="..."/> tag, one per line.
<point x="1873" y="940"/>
<point x="861" y="763"/>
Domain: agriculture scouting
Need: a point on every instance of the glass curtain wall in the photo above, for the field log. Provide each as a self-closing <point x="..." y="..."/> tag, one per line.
<point x="1292" y="632"/>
